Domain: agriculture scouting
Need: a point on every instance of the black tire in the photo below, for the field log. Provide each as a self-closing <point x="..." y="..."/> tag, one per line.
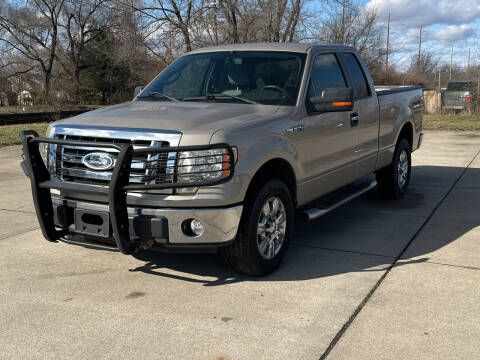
<point x="389" y="181"/>
<point x="244" y="255"/>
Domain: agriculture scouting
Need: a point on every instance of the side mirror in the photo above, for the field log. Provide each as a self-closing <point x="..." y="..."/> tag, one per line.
<point x="138" y="90"/>
<point x="333" y="99"/>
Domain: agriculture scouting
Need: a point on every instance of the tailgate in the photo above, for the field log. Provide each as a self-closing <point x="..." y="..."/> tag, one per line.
<point x="454" y="98"/>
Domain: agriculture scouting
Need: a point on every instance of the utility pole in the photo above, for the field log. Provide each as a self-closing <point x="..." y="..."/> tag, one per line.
<point x="451" y="63"/>
<point x="388" y="43"/>
<point x="439" y="77"/>
<point x="420" y="47"/>
<point x="468" y="65"/>
<point x="343" y="22"/>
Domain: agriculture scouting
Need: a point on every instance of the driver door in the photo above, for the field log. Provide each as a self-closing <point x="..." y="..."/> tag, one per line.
<point x="327" y="144"/>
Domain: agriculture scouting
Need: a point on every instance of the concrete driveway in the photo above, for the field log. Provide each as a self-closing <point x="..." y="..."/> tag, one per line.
<point x="373" y="280"/>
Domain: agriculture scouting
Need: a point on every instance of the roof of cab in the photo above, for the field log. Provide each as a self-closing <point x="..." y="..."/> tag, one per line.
<point x="290" y="47"/>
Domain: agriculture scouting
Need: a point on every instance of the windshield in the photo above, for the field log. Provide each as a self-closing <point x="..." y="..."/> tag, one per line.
<point x="460" y="86"/>
<point x="269" y="78"/>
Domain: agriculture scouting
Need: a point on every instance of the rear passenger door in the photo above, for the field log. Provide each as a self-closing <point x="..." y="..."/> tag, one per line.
<point x="365" y="113"/>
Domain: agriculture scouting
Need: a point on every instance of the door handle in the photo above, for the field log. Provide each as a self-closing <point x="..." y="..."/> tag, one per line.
<point x="353" y="119"/>
<point x="294" y="129"/>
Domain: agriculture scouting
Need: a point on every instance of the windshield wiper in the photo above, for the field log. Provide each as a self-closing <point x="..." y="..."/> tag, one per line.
<point x="220" y="97"/>
<point x="158" y="95"/>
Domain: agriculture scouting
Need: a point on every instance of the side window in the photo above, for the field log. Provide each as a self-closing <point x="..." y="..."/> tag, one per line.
<point x="326" y="73"/>
<point x="360" y="84"/>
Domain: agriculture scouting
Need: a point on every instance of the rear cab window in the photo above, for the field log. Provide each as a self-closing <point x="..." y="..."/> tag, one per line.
<point x="460" y="86"/>
<point x="360" y="83"/>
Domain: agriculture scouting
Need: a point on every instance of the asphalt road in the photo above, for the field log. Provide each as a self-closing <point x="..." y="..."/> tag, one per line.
<point x="372" y="280"/>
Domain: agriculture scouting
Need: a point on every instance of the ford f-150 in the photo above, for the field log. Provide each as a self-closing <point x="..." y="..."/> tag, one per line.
<point x="222" y="149"/>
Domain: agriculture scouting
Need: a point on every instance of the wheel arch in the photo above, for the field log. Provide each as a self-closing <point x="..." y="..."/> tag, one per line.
<point x="278" y="168"/>
<point x="406" y="132"/>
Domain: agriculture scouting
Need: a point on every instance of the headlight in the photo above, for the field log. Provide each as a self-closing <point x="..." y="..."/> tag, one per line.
<point x="205" y="165"/>
<point x="47" y="151"/>
<point x="43" y="148"/>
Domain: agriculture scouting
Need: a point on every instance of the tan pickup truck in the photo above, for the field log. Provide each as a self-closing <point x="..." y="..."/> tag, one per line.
<point x="221" y="150"/>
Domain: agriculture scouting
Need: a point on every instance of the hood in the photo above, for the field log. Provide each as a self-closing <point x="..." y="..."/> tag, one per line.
<point x="190" y="118"/>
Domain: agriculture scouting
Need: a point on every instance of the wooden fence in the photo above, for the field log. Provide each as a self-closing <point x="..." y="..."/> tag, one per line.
<point x="433" y="101"/>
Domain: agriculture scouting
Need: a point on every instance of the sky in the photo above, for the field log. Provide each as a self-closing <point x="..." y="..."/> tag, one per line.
<point x="444" y="22"/>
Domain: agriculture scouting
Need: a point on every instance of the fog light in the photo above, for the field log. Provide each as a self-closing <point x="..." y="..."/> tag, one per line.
<point x="197" y="227"/>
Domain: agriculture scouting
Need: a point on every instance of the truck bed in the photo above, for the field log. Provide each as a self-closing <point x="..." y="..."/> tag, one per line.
<point x="397" y="103"/>
<point x="386" y="90"/>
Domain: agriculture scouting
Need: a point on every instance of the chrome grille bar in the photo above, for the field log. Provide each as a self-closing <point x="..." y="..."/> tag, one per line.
<point x="77" y="159"/>
<point x="68" y="159"/>
<point x="103" y="175"/>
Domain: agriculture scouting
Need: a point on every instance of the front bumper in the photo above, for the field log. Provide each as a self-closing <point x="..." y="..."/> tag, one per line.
<point x="117" y="222"/>
<point x="454" y="107"/>
<point x="164" y="226"/>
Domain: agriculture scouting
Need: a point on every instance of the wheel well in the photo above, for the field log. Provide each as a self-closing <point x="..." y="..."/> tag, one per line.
<point x="274" y="169"/>
<point x="407" y="133"/>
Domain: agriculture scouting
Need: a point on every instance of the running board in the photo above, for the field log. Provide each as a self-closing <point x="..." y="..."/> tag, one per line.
<point x="340" y="197"/>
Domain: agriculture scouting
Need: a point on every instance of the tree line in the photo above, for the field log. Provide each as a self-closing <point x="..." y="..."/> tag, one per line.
<point x="97" y="51"/>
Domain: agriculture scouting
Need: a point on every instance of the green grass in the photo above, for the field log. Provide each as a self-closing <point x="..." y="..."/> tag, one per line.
<point x="9" y="134"/>
<point x="462" y="122"/>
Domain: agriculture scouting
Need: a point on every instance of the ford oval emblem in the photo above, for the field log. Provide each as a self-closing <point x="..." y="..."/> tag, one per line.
<point x="98" y="161"/>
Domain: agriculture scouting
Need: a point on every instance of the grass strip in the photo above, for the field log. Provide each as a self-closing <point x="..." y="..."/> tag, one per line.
<point x="9" y="134"/>
<point x="452" y="122"/>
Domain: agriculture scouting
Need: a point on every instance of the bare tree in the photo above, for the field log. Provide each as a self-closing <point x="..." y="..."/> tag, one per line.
<point x="261" y="20"/>
<point x="175" y="14"/>
<point x="230" y="10"/>
<point x="349" y="23"/>
<point x="293" y="20"/>
<point x="194" y="23"/>
<point x="423" y="70"/>
<point x="82" y="21"/>
<point x="32" y="31"/>
<point x="280" y="18"/>
<point x="140" y="37"/>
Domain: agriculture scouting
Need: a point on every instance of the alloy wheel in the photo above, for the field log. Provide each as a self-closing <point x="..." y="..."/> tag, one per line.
<point x="271" y="228"/>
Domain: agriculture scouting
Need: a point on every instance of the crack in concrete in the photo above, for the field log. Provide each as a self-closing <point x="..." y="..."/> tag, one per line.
<point x="431" y="185"/>
<point x="341" y="250"/>
<point x="359" y="308"/>
<point x="19" y="233"/>
<point x="450" y="156"/>
<point x="20" y="211"/>
<point x="451" y="265"/>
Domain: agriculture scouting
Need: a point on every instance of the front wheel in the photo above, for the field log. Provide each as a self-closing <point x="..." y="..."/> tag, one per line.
<point x="393" y="180"/>
<point x="265" y="230"/>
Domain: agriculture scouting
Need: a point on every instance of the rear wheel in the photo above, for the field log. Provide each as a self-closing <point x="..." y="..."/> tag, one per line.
<point x="393" y="180"/>
<point x="265" y="230"/>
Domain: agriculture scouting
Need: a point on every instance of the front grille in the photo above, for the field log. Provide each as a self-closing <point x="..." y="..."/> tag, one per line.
<point x="69" y="165"/>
